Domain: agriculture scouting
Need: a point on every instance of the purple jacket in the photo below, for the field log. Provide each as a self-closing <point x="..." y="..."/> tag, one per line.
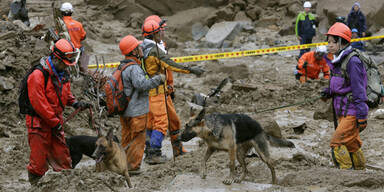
<point x="356" y="84"/>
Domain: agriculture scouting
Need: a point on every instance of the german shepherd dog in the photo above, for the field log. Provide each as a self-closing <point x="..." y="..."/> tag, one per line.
<point x="234" y="133"/>
<point x="111" y="156"/>
<point x="80" y="145"/>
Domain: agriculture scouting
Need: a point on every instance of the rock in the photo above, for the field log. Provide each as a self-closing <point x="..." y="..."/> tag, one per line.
<point x="325" y="111"/>
<point x="378" y="114"/>
<point x="199" y="30"/>
<point x="270" y="126"/>
<point x="294" y="9"/>
<point x="6" y="83"/>
<point x="300" y="129"/>
<point x="220" y="32"/>
<point x="8" y="35"/>
<point x="288" y="30"/>
<point x="241" y="16"/>
<point x="136" y="20"/>
<point x="267" y="21"/>
<point x="253" y="12"/>
<point x="226" y="14"/>
<point x="21" y="25"/>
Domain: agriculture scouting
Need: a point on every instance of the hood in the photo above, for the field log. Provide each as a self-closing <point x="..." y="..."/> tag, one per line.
<point x="148" y="44"/>
<point x="358" y="4"/>
<point x="340" y="57"/>
<point x="45" y="65"/>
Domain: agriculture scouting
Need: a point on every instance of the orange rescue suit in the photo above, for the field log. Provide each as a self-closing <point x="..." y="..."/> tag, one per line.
<point x="75" y="30"/>
<point x="314" y="66"/>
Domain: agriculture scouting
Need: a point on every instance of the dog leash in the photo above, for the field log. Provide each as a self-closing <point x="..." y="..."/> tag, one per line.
<point x="305" y="101"/>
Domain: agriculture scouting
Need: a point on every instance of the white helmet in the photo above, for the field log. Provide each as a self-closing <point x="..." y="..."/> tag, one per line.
<point x="66" y="7"/>
<point x="307" y="4"/>
<point x="321" y="49"/>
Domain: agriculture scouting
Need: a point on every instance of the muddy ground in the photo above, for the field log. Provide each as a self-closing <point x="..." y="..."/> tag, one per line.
<point x="258" y="83"/>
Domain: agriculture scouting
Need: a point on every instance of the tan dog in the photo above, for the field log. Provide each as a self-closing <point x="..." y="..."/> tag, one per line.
<point x="111" y="156"/>
<point x="234" y="133"/>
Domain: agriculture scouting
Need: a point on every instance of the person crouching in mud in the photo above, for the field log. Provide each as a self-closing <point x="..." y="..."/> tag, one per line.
<point x="349" y="100"/>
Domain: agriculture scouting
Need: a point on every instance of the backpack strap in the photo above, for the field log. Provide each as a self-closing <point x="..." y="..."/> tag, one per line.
<point x="345" y="62"/>
<point x="45" y="74"/>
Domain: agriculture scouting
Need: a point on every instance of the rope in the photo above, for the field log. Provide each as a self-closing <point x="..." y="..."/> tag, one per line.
<point x="305" y="101"/>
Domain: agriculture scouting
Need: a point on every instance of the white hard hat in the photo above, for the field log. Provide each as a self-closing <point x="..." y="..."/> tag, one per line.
<point x="66" y="7"/>
<point x="307" y="4"/>
<point x="321" y="49"/>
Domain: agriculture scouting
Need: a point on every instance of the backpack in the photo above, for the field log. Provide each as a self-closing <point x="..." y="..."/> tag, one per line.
<point x="374" y="85"/>
<point x="116" y="99"/>
<point x="25" y="106"/>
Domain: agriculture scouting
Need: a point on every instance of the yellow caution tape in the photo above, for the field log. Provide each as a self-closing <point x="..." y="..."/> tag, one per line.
<point x="235" y="54"/>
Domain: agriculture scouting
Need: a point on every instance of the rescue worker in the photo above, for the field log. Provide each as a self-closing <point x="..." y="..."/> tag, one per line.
<point x="305" y="27"/>
<point x="174" y="121"/>
<point x="356" y="20"/>
<point x="349" y="100"/>
<point x="76" y="32"/>
<point x="357" y="44"/>
<point x="311" y="63"/>
<point x="134" y="119"/>
<point x="45" y="133"/>
<point x="161" y="108"/>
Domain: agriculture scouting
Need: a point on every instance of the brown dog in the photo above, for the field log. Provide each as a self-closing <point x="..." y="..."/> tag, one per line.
<point x="111" y="156"/>
<point x="234" y="133"/>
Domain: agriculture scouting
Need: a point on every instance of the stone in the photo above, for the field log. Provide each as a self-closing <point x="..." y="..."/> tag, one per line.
<point x="6" y="83"/>
<point x="199" y="30"/>
<point x="8" y="35"/>
<point x="288" y="30"/>
<point x="377" y="41"/>
<point x="267" y="21"/>
<point x="254" y="12"/>
<point x="220" y="32"/>
<point x="270" y="126"/>
<point x="294" y="9"/>
<point x="21" y="25"/>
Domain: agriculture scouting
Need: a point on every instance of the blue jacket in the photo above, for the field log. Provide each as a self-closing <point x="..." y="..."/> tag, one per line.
<point x="358" y="45"/>
<point x="305" y="25"/>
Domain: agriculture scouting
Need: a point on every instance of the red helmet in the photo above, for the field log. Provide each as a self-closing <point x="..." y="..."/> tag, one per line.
<point x="150" y="27"/>
<point x="128" y="44"/>
<point x="65" y="51"/>
<point x="156" y="18"/>
<point x="340" y="30"/>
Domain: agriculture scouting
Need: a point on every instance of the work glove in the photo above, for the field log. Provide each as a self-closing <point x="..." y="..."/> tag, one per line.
<point x="56" y="129"/>
<point x="325" y="94"/>
<point x="305" y="64"/>
<point x="361" y="124"/>
<point x="196" y="70"/>
<point x="163" y="78"/>
<point x="81" y="105"/>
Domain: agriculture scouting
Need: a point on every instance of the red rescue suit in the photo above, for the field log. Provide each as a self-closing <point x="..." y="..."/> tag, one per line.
<point x="47" y="148"/>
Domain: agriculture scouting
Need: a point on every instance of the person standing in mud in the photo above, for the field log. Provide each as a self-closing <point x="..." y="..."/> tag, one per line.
<point x="349" y="99"/>
<point x="356" y="20"/>
<point x="49" y="91"/>
<point x="76" y="32"/>
<point x="305" y="27"/>
<point x="161" y="109"/>
<point x="174" y="121"/>
<point x="134" y="119"/>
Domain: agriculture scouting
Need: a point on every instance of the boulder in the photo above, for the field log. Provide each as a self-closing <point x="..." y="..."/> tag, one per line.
<point x="380" y="33"/>
<point x="199" y="30"/>
<point x="8" y="35"/>
<point x="243" y="18"/>
<point x="267" y="21"/>
<point x="21" y="25"/>
<point x="288" y="30"/>
<point x="220" y="32"/>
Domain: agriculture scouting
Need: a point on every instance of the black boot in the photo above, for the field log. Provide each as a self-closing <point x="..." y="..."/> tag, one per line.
<point x="33" y="179"/>
<point x="155" y="157"/>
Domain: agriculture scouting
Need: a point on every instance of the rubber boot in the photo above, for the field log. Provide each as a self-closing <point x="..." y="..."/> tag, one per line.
<point x="358" y="160"/>
<point x="33" y="179"/>
<point x="155" y="157"/>
<point x="177" y="146"/>
<point x="341" y="157"/>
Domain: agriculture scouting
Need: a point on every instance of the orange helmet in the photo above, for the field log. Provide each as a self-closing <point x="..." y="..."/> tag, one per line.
<point x="156" y="18"/>
<point x="65" y="50"/>
<point x="150" y="27"/>
<point x="128" y="44"/>
<point x="340" y="30"/>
